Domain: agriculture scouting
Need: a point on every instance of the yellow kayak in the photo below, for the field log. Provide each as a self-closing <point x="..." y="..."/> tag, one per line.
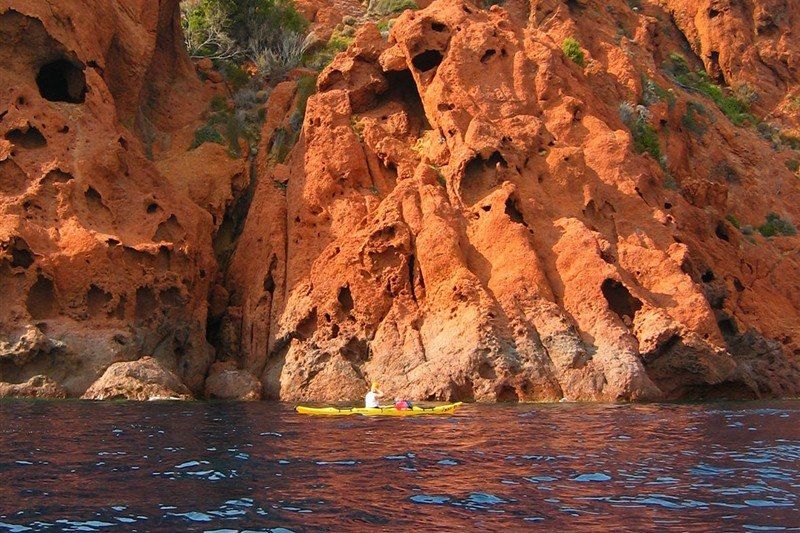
<point x="388" y="410"/>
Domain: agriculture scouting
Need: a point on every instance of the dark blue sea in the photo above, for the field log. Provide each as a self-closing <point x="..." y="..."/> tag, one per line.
<point x="229" y="467"/>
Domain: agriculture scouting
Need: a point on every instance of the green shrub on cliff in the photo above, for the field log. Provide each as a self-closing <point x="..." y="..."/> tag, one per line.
<point x="734" y="106"/>
<point x="383" y="8"/>
<point x="572" y="49"/>
<point x="775" y="225"/>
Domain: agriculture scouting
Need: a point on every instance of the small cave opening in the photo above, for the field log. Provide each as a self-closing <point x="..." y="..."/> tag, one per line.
<point x="707" y="277"/>
<point x="96" y="301"/>
<point x="345" y="299"/>
<point x="153" y="208"/>
<point x="727" y="327"/>
<point x="171" y="297"/>
<point x="427" y="60"/>
<point x="403" y="88"/>
<point x="269" y="283"/>
<point x="438" y="27"/>
<point x="21" y="255"/>
<point x="487" y="55"/>
<point x="145" y="303"/>
<point x="722" y="232"/>
<point x="41" y="300"/>
<point x="513" y="212"/>
<point x="168" y="230"/>
<point x="356" y="351"/>
<point x="62" y="81"/>
<point x="507" y="394"/>
<point x="30" y="138"/>
<point x="619" y="298"/>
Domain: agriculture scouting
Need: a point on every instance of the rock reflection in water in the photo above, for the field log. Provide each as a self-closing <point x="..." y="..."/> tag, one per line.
<point x="211" y="466"/>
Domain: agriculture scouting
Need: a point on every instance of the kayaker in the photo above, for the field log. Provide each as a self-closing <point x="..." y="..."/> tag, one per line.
<point x="401" y="405"/>
<point x="371" y="399"/>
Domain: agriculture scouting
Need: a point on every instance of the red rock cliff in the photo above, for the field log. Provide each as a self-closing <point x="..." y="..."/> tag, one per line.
<point x="468" y="213"/>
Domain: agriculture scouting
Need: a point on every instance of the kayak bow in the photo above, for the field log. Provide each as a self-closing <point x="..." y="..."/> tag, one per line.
<point x="388" y="410"/>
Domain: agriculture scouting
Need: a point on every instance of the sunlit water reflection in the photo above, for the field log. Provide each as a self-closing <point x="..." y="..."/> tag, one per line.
<point x="77" y="466"/>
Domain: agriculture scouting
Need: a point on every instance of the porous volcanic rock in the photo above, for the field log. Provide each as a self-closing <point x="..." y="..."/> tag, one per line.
<point x="142" y="380"/>
<point x="466" y="215"/>
<point x="102" y="259"/>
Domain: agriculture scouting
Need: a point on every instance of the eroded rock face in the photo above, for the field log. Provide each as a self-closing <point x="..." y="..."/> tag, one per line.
<point x="35" y="387"/>
<point x="142" y="380"/>
<point x="226" y="382"/>
<point x="466" y="217"/>
<point x="466" y="214"/>
<point x="101" y="258"/>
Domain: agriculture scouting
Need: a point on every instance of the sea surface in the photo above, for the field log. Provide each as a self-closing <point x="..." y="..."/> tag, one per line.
<point x="81" y="466"/>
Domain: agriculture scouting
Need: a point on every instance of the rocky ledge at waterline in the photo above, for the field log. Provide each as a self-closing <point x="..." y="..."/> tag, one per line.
<point x="526" y="202"/>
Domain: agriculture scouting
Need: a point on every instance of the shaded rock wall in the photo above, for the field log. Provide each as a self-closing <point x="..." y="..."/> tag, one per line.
<point x="102" y="259"/>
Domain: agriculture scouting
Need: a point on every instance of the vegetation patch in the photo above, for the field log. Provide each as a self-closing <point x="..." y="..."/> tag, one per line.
<point x="572" y="49"/>
<point x="384" y="8"/>
<point x="730" y="217"/>
<point x="733" y="106"/>
<point x="775" y="225"/>
<point x="793" y="165"/>
<point x="645" y="137"/>
<point x="286" y="136"/>
<point x="692" y="119"/>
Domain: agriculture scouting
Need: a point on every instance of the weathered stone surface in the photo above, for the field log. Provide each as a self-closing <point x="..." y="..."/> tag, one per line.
<point x="226" y="382"/>
<point x="142" y="380"/>
<point x="99" y="253"/>
<point x="467" y="217"/>
<point x="35" y="387"/>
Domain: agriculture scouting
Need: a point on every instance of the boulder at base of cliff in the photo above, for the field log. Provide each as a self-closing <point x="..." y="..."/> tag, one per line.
<point x="226" y="382"/>
<point x="35" y="387"/>
<point x="144" y="379"/>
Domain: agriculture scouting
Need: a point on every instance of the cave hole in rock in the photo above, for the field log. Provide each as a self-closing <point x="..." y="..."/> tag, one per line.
<point x="707" y="277"/>
<point x="93" y="197"/>
<point x="21" y="255"/>
<point x="152" y="208"/>
<point x="345" y="299"/>
<point x="427" y="60"/>
<point x="667" y="205"/>
<point x="168" y="231"/>
<point x="721" y="231"/>
<point x="119" y="311"/>
<point x="30" y="138"/>
<point x="513" y="212"/>
<point x="480" y="176"/>
<point x="411" y="275"/>
<point x="96" y="300"/>
<point x="403" y="89"/>
<point x="507" y="394"/>
<point x="356" y="351"/>
<point x="145" y="303"/>
<point x="438" y="27"/>
<point x="738" y="285"/>
<point x="41" y="299"/>
<point x="62" y="81"/>
<point x="487" y="55"/>
<point x="307" y="326"/>
<point x="728" y="327"/>
<point x="619" y="298"/>
<point x="171" y="297"/>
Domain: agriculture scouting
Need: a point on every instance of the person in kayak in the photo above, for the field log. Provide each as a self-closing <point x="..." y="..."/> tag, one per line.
<point x="401" y="404"/>
<point x="371" y="399"/>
